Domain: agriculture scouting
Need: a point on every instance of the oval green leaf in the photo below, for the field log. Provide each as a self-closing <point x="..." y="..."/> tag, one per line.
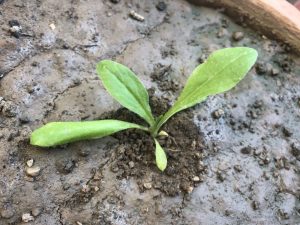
<point x="223" y="70"/>
<point x="160" y="156"/>
<point x="124" y="86"/>
<point x="57" y="133"/>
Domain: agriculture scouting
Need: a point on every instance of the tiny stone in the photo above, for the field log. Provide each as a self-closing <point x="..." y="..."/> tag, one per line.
<point x="274" y="72"/>
<point x="29" y="163"/>
<point x="85" y="188"/>
<point x="36" y="211"/>
<point x="196" y="179"/>
<point x="78" y="223"/>
<point x="147" y="185"/>
<point x="237" y="36"/>
<point x="131" y="164"/>
<point x="52" y="26"/>
<point x="255" y="205"/>
<point x="218" y="113"/>
<point x="96" y="189"/>
<point x="26" y="217"/>
<point x="33" y="171"/>
<point x="246" y="150"/>
<point x="238" y="168"/>
<point x="190" y="189"/>
<point x="261" y="68"/>
<point x="161" y="6"/>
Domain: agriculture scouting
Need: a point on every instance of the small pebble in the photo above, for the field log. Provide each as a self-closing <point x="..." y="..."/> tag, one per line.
<point x="33" y="171"/>
<point x="255" y="205"/>
<point x="260" y="68"/>
<point x="131" y="164"/>
<point x="136" y="16"/>
<point x="237" y="36"/>
<point x="196" y="179"/>
<point x="246" y="150"/>
<point x="26" y="217"/>
<point x="52" y="26"/>
<point x="85" y="188"/>
<point x="147" y="185"/>
<point x="36" y="211"/>
<point x="238" y="168"/>
<point x="29" y="163"/>
<point x="161" y="6"/>
<point x="274" y="72"/>
<point x="217" y="114"/>
<point x="190" y="189"/>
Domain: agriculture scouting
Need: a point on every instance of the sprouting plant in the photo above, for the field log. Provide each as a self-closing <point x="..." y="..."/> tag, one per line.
<point x="221" y="72"/>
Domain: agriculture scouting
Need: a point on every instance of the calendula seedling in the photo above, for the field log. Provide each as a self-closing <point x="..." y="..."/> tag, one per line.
<point x="221" y="72"/>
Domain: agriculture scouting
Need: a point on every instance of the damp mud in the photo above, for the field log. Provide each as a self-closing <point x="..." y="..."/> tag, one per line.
<point x="233" y="159"/>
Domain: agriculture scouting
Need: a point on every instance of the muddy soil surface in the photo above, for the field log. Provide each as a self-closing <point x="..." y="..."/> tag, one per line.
<point x="233" y="159"/>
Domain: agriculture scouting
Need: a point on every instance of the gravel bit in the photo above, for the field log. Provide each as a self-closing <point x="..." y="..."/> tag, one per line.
<point x="33" y="171"/>
<point x="217" y="114"/>
<point x="136" y="16"/>
<point x="29" y="163"/>
<point x="36" y="211"/>
<point x="26" y="217"/>
<point x="161" y="6"/>
<point x="237" y="36"/>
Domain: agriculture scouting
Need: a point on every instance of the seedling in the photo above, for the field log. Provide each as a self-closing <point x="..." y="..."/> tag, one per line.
<point x="221" y="72"/>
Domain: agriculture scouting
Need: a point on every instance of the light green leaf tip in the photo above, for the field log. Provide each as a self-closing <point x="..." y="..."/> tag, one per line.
<point x="124" y="86"/>
<point x="57" y="133"/>
<point x="223" y="70"/>
<point x="160" y="156"/>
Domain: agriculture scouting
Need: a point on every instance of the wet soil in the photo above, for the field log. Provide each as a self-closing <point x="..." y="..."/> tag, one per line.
<point x="233" y="159"/>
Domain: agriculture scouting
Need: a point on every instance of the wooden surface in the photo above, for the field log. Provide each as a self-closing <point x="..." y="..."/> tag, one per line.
<point x="277" y="19"/>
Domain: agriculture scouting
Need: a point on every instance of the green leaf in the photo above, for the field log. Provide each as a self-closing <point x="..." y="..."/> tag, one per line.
<point x="125" y="87"/>
<point x="221" y="72"/>
<point x="160" y="155"/>
<point x="57" y="133"/>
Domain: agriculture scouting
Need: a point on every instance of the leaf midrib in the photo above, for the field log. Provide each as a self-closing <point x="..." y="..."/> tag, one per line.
<point x="211" y="77"/>
<point x="135" y="97"/>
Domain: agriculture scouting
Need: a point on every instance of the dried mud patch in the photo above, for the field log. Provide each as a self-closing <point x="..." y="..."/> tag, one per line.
<point x="134" y="154"/>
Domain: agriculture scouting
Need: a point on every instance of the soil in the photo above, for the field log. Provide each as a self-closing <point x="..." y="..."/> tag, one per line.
<point x="233" y="159"/>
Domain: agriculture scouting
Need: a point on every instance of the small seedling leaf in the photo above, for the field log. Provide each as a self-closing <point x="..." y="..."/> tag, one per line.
<point x="221" y="72"/>
<point x="160" y="155"/>
<point x="57" y="133"/>
<point x="126" y="88"/>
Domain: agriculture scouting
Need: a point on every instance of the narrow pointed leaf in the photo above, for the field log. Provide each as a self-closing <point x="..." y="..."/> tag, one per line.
<point x="160" y="156"/>
<point x="125" y="87"/>
<point x="57" y="133"/>
<point x="221" y="72"/>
